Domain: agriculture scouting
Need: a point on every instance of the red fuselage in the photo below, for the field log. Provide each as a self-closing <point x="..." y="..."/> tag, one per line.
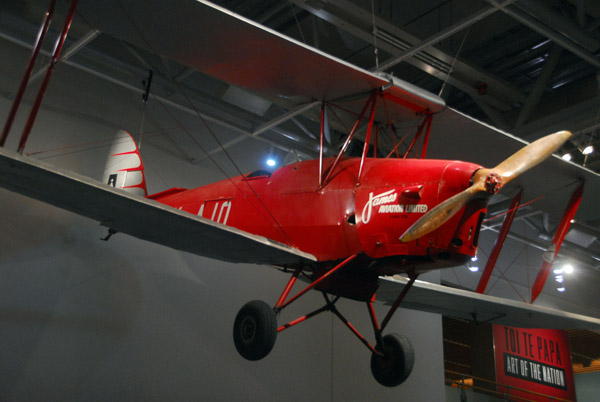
<point x="345" y="218"/>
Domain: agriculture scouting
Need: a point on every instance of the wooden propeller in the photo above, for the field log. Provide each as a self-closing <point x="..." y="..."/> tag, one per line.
<point x="487" y="182"/>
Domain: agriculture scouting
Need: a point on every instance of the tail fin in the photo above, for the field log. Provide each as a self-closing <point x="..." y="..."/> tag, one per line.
<point x="124" y="168"/>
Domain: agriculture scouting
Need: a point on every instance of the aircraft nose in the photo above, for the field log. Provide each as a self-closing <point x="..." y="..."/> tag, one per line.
<point x="456" y="177"/>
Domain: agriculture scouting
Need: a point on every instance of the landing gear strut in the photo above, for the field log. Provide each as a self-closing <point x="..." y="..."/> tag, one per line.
<point x="255" y="331"/>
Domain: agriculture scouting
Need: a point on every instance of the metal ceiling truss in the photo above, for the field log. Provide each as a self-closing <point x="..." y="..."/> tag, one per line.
<point x="500" y="96"/>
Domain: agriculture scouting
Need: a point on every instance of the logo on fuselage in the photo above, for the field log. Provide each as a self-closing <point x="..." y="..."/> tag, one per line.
<point x="385" y="204"/>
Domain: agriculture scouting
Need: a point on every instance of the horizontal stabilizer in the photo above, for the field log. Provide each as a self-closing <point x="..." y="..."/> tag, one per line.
<point x="457" y="303"/>
<point x="138" y="216"/>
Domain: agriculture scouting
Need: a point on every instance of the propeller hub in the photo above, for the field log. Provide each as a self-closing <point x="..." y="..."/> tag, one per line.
<point x="493" y="183"/>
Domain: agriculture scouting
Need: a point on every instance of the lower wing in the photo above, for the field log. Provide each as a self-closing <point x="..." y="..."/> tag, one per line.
<point x="140" y="217"/>
<point x="457" y="303"/>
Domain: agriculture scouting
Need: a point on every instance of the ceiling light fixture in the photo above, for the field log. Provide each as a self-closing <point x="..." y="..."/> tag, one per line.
<point x="568" y="268"/>
<point x="567" y="157"/>
<point x="271" y="160"/>
<point x="588" y="150"/>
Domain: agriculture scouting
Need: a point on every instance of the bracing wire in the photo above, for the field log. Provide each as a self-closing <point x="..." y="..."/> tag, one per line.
<point x="462" y="43"/>
<point x="297" y="22"/>
<point x="207" y="126"/>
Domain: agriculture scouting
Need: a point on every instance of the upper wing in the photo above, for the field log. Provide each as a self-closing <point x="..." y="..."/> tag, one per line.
<point x="241" y="52"/>
<point x="458" y="136"/>
<point x="433" y="298"/>
<point x="140" y="217"/>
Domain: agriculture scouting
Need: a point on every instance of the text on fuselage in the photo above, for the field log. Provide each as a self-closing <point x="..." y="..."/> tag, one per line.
<point x="385" y="203"/>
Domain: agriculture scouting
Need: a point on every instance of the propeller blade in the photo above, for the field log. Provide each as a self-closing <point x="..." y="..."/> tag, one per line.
<point x="531" y="155"/>
<point x="437" y="216"/>
<point x="487" y="181"/>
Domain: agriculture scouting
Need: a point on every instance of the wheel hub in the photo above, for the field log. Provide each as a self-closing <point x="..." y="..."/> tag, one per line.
<point x="248" y="330"/>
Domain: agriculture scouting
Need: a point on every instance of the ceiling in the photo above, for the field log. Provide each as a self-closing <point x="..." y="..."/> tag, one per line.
<point x="526" y="67"/>
<point x="522" y="66"/>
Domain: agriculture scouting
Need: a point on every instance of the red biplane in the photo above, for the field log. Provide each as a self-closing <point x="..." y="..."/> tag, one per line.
<point x="340" y="223"/>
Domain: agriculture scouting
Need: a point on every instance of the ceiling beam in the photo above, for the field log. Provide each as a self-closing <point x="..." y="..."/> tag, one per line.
<point x="569" y="29"/>
<point x="550" y="34"/>
<point x="577" y="118"/>
<point x="540" y="85"/>
<point x="443" y="34"/>
<point x="68" y="53"/>
<point x="283" y="118"/>
<point x="393" y="40"/>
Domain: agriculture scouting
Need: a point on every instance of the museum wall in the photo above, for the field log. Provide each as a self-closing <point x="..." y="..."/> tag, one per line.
<point x="127" y="320"/>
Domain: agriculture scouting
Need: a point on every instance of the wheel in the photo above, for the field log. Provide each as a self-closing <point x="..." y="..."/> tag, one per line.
<point x="255" y="330"/>
<point x="396" y="364"/>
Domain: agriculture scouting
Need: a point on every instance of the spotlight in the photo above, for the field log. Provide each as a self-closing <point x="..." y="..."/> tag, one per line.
<point x="558" y="271"/>
<point x="561" y="289"/>
<point x="588" y="150"/>
<point x="271" y="160"/>
<point x="474" y="258"/>
<point x="568" y="269"/>
<point x="473" y="269"/>
<point x="567" y="157"/>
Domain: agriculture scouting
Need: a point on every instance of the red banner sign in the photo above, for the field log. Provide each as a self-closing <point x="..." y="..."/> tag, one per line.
<point x="538" y="360"/>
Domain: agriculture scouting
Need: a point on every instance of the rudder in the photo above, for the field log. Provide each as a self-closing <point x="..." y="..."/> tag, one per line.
<point x="124" y="168"/>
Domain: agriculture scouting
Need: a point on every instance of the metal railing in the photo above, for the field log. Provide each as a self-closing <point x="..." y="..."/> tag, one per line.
<point x="496" y="389"/>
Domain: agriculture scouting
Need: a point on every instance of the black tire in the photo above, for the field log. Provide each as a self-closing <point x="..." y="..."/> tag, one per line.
<point x="255" y="330"/>
<point x="396" y="364"/>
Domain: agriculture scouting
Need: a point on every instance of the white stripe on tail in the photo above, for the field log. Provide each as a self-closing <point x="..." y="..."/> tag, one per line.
<point x="124" y="168"/>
